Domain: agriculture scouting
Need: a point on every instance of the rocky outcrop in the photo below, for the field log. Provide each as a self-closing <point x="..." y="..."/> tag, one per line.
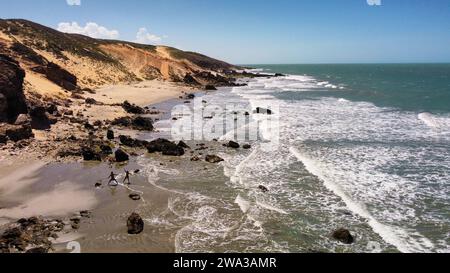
<point x="135" y="224"/>
<point x="15" y="132"/>
<point x="131" y="142"/>
<point x="58" y="75"/>
<point x="12" y="99"/>
<point x="39" y="118"/>
<point x="132" y="108"/>
<point x="136" y="123"/>
<point x="189" y="79"/>
<point x="90" y="154"/>
<point x="165" y="147"/>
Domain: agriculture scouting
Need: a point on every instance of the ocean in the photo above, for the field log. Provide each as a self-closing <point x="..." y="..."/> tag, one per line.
<point x="362" y="146"/>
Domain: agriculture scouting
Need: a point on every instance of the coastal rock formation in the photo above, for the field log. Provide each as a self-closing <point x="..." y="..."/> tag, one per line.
<point x="58" y="75"/>
<point x="165" y="147"/>
<point x="132" y="108"/>
<point x="343" y="235"/>
<point x="136" y="123"/>
<point x="12" y="99"/>
<point x="131" y="142"/>
<point x="213" y="159"/>
<point x="210" y="87"/>
<point x="15" y="132"/>
<point x="90" y="154"/>
<point x="39" y="118"/>
<point x="121" y="156"/>
<point x="135" y="224"/>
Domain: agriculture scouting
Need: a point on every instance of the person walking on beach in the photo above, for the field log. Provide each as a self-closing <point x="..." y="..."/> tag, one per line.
<point x="127" y="177"/>
<point x="112" y="178"/>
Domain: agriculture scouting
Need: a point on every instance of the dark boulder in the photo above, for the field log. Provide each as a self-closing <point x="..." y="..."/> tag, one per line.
<point x="90" y="101"/>
<point x="12" y="99"/>
<point x="131" y="142"/>
<point x="110" y="134"/>
<point x="121" y="156"/>
<point x="247" y="146"/>
<point x="122" y="121"/>
<point x="135" y="224"/>
<point x="106" y="149"/>
<point x="165" y="147"/>
<point x="343" y="235"/>
<point x="213" y="159"/>
<point x="38" y="250"/>
<point x="210" y="88"/>
<point x="39" y="118"/>
<point x="132" y="108"/>
<point x="142" y="123"/>
<point x="90" y="154"/>
<point x="279" y="75"/>
<point x="135" y="197"/>
<point x="233" y="144"/>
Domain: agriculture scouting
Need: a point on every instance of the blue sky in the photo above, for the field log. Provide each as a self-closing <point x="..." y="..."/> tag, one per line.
<point x="261" y="31"/>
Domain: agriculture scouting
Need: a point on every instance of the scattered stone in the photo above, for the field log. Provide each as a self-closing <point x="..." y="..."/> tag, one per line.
<point x="98" y="185"/>
<point x="213" y="159"/>
<point x="195" y="158"/>
<point x="137" y="171"/>
<point x="23" y="119"/>
<point x="106" y="149"/>
<point x="121" y="156"/>
<point x="182" y="144"/>
<point x="263" y="189"/>
<point x="247" y="146"/>
<point x="85" y="214"/>
<point x="90" y="101"/>
<point x="135" y="224"/>
<point x="142" y="123"/>
<point x="343" y="235"/>
<point x="135" y="197"/>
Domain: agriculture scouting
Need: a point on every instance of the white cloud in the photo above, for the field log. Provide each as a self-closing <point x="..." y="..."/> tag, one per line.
<point x="73" y="2"/>
<point x="90" y="29"/>
<point x="144" y="37"/>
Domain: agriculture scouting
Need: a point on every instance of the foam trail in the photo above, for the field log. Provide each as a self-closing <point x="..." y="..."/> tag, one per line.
<point x="395" y="236"/>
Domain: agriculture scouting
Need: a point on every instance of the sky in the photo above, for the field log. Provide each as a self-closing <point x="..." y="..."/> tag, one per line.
<point x="260" y="31"/>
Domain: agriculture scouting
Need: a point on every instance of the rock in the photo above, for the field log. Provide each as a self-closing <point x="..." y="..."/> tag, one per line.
<point x="213" y="159"/>
<point x="130" y="142"/>
<point x="106" y="149"/>
<point x="210" y="88"/>
<point x="233" y="145"/>
<point x="90" y="155"/>
<point x="12" y="99"/>
<point x="141" y="123"/>
<point x="90" y="101"/>
<point x="132" y="108"/>
<point x="279" y="75"/>
<point x="121" y="156"/>
<point x="189" y="79"/>
<point x="89" y="126"/>
<point x="110" y="134"/>
<point x="15" y="132"/>
<point x="182" y="144"/>
<point x="39" y="118"/>
<point x="85" y="214"/>
<point x="165" y="147"/>
<point x="3" y="139"/>
<point x="265" y="111"/>
<point x="122" y="121"/>
<point x="343" y="235"/>
<point x="23" y="119"/>
<point x="98" y="185"/>
<point x="135" y="197"/>
<point x="37" y="250"/>
<point x="195" y="158"/>
<point x="263" y="189"/>
<point x="135" y="224"/>
<point x="190" y="96"/>
<point x="137" y="171"/>
<point x="247" y="146"/>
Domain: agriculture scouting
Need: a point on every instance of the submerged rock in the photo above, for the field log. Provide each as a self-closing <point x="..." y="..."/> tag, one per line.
<point x="213" y="159"/>
<point x="343" y="235"/>
<point x="135" y="224"/>
<point x="263" y="189"/>
<point x="233" y="144"/>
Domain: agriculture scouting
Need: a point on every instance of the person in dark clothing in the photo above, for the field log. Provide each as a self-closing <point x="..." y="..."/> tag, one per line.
<point x="127" y="177"/>
<point x="112" y="179"/>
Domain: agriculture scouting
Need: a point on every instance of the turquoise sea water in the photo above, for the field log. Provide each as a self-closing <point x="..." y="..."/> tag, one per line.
<point x="364" y="147"/>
